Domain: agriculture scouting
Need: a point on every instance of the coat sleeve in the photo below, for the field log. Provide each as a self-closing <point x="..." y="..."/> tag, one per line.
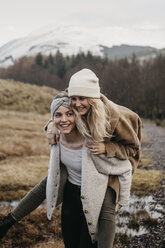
<point x="120" y="168"/>
<point x="125" y="143"/>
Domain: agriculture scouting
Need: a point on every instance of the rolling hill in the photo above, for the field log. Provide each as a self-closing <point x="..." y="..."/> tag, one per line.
<point x="22" y="97"/>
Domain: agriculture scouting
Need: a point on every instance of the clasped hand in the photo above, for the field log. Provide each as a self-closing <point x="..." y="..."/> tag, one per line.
<point x="96" y="147"/>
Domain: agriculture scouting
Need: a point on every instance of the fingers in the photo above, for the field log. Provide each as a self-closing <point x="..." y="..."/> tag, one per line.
<point x="96" y="147"/>
<point x="117" y="208"/>
<point x="52" y="138"/>
<point x="94" y="150"/>
<point x="92" y="145"/>
<point x="96" y="153"/>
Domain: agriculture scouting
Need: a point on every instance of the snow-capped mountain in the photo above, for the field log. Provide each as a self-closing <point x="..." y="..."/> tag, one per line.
<point x="68" y="40"/>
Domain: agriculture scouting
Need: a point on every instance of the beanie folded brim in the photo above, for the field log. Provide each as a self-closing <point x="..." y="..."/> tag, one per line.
<point x="87" y="92"/>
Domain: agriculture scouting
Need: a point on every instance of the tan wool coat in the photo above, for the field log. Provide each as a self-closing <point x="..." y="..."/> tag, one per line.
<point x="125" y="143"/>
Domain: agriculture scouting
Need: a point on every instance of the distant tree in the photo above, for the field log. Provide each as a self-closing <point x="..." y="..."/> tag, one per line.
<point x="50" y="59"/>
<point x="60" y="65"/>
<point x="49" y="64"/>
<point x="139" y="86"/>
<point x="39" y="59"/>
<point x="154" y="87"/>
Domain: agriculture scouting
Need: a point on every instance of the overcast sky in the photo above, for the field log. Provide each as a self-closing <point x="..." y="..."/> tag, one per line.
<point x="135" y="22"/>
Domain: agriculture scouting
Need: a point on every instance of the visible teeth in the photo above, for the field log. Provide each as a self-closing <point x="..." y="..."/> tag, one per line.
<point x="64" y="125"/>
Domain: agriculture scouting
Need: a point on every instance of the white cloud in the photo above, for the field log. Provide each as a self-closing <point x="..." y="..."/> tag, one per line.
<point x="130" y="21"/>
<point x="10" y="28"/>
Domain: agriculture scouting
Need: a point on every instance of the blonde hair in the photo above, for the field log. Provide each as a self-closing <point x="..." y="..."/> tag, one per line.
<point x="97" y="122"/>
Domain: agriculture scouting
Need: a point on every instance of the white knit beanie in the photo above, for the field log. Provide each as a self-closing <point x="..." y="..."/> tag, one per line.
<point x="84" y="83"/>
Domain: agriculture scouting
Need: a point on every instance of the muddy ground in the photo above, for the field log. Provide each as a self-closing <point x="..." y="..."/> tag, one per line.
<point x="155" y="237"/>
<point x="156" y="134"/>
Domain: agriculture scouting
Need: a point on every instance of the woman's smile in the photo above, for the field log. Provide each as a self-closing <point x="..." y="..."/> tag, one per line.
<point x="81" y="104"/>
<point x="64" y="120"/>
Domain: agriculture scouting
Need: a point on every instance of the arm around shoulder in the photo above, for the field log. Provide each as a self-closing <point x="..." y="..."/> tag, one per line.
<point x="51" y="132"/>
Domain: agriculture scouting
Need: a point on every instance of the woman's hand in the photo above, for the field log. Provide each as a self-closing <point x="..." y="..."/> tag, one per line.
<point x="96" y="147"/>
<point x="52" y="134"/>
<point x="118" y="206"/>
<point x="52" y="138"/>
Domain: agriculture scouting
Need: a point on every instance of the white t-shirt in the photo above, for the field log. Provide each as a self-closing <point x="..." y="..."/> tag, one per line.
<point x="72" y="159"/>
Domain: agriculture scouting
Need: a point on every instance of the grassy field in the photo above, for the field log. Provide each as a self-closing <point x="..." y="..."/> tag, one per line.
<point x="24" y="152"/>
<point x="25" y="97"/>
<point x="24" y="158"/>
<point x="23" y="146"/>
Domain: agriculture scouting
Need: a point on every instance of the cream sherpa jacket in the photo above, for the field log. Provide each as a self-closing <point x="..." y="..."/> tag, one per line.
<point x="95" y="175"/>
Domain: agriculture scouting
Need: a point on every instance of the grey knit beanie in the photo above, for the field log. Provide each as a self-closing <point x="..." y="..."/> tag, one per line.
<point x="84" y="83"/>
<point x="57" y="102"/>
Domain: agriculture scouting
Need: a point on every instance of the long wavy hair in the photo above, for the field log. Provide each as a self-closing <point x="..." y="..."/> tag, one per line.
<point x="96" y="124"/>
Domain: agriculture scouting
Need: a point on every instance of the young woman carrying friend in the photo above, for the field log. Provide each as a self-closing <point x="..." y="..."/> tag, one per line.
<point x="79" y="179"/>
<point x="115" y="130"/>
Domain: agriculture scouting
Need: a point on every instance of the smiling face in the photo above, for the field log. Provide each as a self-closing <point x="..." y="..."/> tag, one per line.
<point x="81" y="104"/>
<point x="64" y="120"/>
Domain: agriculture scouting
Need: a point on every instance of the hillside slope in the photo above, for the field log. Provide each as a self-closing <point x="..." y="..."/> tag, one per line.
<point x="25" y="97"/>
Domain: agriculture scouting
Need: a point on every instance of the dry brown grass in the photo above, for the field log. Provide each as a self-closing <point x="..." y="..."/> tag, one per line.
<point x="50" y="244"/>
<point x="24" y="163"/>
<point x="146" y="181"/>
<point x="19" y="174"/>
<point x="24" y="158"/>
<point x="53" y="243"/>
<point x="25" y="97"/>
<point x="22" y="134"/>
<point x="24" y="152"/>
<point x="146" y="153"/>
<point x="145" y="158"/>
<point x="35" y="230"/>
